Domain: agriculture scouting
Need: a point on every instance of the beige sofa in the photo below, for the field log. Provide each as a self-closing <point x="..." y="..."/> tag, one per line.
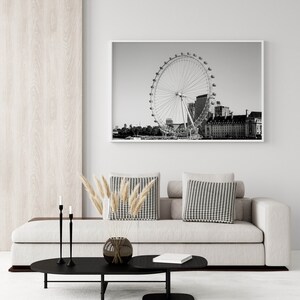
<point x="260" y="235"/>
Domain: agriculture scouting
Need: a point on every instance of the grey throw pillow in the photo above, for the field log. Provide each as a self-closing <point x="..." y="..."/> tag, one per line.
<point x="210" y="202"/>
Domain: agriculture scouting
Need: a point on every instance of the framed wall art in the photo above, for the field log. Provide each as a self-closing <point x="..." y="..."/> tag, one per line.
<point x="187" y="91"/>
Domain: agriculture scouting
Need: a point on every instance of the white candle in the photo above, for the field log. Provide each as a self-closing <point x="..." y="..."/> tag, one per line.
<point x="70" y="210"/>
<point x="60" y="200"/>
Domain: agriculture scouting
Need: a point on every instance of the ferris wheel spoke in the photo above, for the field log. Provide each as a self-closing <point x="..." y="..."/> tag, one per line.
<point x="177" y="74"/>
<point x="174" y="75"/>
<point x="164" y="101"/>
<point x="164" y="104"/>
<point x="195" y="81"/>
<point x="164" y="87"/>
<point x="170" y="77"/>
<point x="183" y="74"/>
<point x="192" y="79"/>
<point x="173" y="110"/>
<point x="186" y="75"/>
<point x="163" y="113"/>
<point x="201" y="86"/>
<point x="164" y="82"/>
<point x="196" y="71"/>
<point x="196" y="90"/>
<point x="192" y="70"/>
<point x="164" y="96"/>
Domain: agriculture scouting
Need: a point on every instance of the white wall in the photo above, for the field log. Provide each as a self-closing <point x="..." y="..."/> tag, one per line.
<point x="268" y="169"/>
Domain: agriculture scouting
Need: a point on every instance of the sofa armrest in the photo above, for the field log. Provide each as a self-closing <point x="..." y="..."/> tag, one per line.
<point x="273" y="218"/>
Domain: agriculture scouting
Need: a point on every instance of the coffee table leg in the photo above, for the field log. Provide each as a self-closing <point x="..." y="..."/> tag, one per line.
<point x="168" y="284"/>
<point x="168" y="295"/>
<point x="103" y="286"/>
<point x="45" y="280"/>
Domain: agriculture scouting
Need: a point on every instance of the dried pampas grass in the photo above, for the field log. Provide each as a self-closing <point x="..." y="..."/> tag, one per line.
<point x="137" y="201"/>
<point x="92" y="194"/>
<point x="106" y="187"/>
<point x="125" y="192"/>
<point x="100" y="187"/>
<point x="147" y="189"/>
<point x="133" y="195"/>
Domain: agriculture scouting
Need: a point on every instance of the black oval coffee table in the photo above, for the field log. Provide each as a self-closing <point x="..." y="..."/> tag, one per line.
<point x="89" y="266"/>
<point x="146" y="262"/>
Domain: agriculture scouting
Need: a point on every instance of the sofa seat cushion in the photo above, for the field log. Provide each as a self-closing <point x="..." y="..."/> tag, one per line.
<point x="160" y="231"/>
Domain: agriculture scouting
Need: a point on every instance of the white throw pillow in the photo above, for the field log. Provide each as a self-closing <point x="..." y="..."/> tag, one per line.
<point x="227" y="177"/>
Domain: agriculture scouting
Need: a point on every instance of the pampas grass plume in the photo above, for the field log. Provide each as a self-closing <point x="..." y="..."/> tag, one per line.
<point x="106" y="187"/>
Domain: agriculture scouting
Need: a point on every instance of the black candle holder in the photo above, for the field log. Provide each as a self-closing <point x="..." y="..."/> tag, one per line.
<point x="71" y="262"/>
<point x="60" y="260"/>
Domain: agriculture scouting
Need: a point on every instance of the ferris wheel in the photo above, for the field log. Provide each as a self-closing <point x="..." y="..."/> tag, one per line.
<point x="182" y="94"/>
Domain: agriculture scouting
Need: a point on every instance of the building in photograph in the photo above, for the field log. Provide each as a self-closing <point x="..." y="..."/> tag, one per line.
<point x="220" y="110"/>
<point x="255" y="126"/>
<point x="169" y="122"/>
<point x="196" y="108"/>
<point x="234" y="127"/>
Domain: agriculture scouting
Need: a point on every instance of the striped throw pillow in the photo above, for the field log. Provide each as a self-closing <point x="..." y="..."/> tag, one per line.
<point x="210" y="202"/>
<point x="149" y="210"/>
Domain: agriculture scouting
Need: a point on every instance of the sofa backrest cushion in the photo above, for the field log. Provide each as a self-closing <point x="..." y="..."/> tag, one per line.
<point x="165" y="208"/>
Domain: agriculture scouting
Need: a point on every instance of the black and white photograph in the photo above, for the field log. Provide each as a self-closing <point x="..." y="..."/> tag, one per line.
<point x="187" y="91"/>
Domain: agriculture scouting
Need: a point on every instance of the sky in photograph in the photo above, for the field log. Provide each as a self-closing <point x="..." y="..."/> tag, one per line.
<point x="235" y="65"/>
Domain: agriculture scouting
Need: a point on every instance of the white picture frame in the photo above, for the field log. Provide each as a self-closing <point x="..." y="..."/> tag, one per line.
<point x="135" y="61"/>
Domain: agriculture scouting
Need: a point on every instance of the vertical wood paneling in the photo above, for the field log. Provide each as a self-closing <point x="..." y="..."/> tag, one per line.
<point x="40" y="110"/>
